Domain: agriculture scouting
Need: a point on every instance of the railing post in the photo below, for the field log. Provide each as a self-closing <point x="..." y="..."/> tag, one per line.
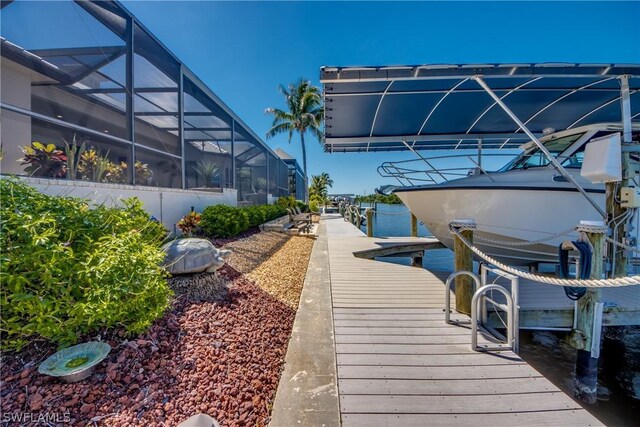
<point x="369" y="212"/>
<point x="414" y="225"/>
<point x="463" y="261"/>
<point x="586" y="337"/>
<point x="358" y="217"/>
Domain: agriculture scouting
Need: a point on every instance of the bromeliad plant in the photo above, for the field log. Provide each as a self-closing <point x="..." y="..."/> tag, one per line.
<point x="44" y="160"/>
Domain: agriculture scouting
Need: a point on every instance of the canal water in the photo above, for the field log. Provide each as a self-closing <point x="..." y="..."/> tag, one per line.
<point x="549" y="352"/>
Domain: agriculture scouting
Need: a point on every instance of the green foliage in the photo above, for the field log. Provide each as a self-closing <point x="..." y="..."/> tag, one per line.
<point x="73" y="153"/>
<point x="227" y="221"/>
<point x="68" y="270"/>
<point x="391" y="199"/>
<point x="313" y="205"/>
<point x="286" y="202"/>
<point x="44" y="160"/>
<point x="303" y="206"/>
<point x="223" y="221"/>
<point x="256" y="214"/>
<point x="319" y="187"/>
<point x="304" y="113"/>
<point x="207" y="170"/>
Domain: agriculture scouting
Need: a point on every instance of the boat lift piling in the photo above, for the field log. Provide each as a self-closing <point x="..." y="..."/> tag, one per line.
<point x="369" y="213"/>
<point x="586" y="337"/>
<point x="463" y="261"/>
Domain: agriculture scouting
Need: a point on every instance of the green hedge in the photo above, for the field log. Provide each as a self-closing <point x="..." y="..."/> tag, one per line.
<point x="68" y="270"/>
<point x="228" y="221"/>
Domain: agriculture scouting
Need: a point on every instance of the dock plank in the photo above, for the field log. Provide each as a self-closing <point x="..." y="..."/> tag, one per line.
<point x="398" y="363"/>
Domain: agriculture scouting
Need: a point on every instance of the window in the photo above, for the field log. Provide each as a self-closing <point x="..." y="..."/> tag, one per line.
<point x="535" y="158"/>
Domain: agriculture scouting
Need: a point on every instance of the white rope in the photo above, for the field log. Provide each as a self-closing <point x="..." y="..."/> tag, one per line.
<point x="588" y="283"/>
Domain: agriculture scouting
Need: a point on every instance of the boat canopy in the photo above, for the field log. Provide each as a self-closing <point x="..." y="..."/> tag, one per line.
<point x="446" y="106"/>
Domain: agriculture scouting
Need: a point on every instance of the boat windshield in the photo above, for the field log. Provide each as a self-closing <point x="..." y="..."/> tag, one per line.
<point x="535" y="158"/>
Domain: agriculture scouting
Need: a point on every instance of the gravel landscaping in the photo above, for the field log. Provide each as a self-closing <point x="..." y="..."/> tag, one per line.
<point x="218" y="350"/>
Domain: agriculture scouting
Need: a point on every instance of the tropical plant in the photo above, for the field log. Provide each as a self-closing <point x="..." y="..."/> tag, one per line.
<point x="116" y="173"/>
<point x="93" y="166"/>
<point x="207" y="170"/>
<point x="320" y="186"/>
<point x="44" y="160"/>
<point x="73" y="153"/>
<point x="305" y="113"/>
<point x="143" y="173"/>
<point x="189" y="223"/>
<point x="68" y="270"/>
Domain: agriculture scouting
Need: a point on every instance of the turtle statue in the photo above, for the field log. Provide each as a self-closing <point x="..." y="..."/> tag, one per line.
<point x="191" y="255"/>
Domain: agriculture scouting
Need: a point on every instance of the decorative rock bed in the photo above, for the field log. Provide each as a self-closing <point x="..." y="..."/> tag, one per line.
<point x="200" y="286"/>
<point x="219" y="350"/>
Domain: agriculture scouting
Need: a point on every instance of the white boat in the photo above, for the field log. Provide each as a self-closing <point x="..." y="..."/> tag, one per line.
<point x="526" y="200"/>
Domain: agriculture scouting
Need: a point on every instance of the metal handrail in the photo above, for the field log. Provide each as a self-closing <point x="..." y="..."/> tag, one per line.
<point x="400" y="171"/>
<point x="478" y="297"/>
<point x="447" y="295"/>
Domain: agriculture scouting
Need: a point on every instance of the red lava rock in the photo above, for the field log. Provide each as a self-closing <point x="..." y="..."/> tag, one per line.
<point x="223" y="358"/>
<point x="86" y="408"/>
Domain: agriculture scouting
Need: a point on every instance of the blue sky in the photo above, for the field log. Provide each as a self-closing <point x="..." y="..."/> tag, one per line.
<point x="244" y="50"/>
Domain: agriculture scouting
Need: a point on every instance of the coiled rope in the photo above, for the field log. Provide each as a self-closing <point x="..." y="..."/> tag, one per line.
<point x="455" y="228"/>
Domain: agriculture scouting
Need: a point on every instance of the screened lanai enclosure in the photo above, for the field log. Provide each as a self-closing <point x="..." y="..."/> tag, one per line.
<point x="88" y="74"/>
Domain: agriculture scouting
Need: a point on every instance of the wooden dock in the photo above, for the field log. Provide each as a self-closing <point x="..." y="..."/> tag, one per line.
<point x="399" y="364"/>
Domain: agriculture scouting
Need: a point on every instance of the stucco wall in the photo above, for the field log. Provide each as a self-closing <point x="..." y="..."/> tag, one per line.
<point x="165" y="204"/>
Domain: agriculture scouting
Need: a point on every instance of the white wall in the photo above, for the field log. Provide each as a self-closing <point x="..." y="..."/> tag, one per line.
<point x="167" y="205"/>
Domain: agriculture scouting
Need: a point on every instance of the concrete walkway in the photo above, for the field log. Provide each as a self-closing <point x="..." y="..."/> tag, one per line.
<point x="307" y="393"/>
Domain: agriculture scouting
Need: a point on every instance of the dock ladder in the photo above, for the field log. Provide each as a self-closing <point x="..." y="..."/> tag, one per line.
<point x="479" y="308"/>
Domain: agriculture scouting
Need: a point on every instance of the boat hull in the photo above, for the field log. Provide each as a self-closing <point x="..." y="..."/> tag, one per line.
<point x="506" y="214"/>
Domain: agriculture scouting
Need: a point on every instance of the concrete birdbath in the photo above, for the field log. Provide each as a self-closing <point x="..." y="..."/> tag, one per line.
<point x="75" y="363"/>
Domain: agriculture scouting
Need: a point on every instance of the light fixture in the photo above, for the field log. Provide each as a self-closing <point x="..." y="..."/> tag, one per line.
<point x="548" y="131"/>
<point x="59" y="116"/>
<point x="105" y="131"/>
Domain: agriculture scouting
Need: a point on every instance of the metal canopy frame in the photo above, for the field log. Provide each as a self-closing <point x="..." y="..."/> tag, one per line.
<point x="364" y="105"/>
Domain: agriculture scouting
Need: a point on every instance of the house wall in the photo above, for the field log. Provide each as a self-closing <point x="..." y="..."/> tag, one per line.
<point x="167" y="205"/>
<point x="16" y="128"/>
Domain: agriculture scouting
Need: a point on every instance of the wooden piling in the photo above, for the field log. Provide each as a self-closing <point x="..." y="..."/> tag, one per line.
<point x="414" y="225"/>
<point x="463" y="261"/>
<point x="586" y="378"/>
<point x="369" y="213"/>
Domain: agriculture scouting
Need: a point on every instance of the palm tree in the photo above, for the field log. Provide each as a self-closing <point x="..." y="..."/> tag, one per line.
<point x="326" y="179"/>
<point x="305" y="114"/>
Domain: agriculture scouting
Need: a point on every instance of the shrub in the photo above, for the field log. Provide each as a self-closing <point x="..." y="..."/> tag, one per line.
<point x="68" y="270"/>
<point x="286" y="202"/>
<point x="256" y="214"/>
<point x="303" y="206"/>
<point x="224" y="221"/>
<point x="227" y="221"/>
